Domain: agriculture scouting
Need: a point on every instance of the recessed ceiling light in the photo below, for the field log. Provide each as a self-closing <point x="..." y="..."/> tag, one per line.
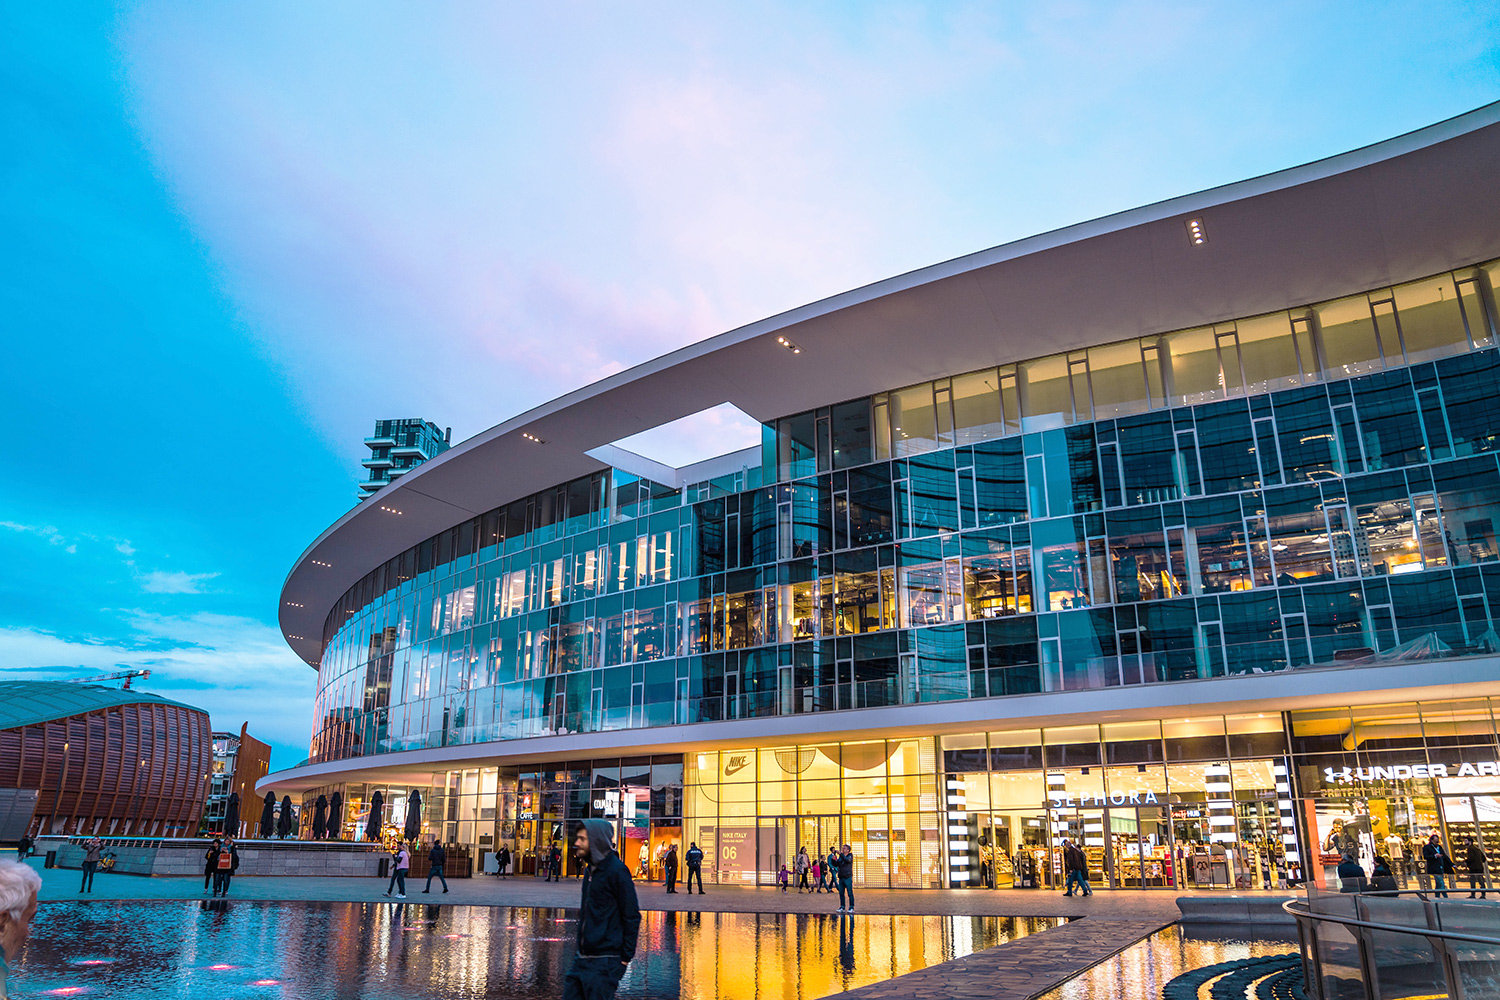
<point x="1196" y="233"/>
<point x="789" y="345"/>
<point x="389" y="510"/>
<point x="532" y="437"/>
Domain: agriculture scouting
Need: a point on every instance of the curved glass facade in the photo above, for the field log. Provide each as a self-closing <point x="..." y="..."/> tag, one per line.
<point x="1314" y="486"/>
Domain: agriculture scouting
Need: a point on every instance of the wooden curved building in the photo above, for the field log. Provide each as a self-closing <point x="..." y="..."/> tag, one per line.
<point x="98" y="760"/>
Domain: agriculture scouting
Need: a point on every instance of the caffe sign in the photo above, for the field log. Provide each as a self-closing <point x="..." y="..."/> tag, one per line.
<point x="1409" y="772"/>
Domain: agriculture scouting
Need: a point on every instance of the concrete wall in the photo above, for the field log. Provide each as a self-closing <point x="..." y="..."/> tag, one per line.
<point x="169" y="856"/>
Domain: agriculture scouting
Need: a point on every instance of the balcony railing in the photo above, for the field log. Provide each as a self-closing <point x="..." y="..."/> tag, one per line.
<point x="1388" y="945"/>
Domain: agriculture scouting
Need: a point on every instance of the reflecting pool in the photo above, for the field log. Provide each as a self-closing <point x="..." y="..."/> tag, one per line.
<point x="225" y="949"/>
<point x="1140" y="971"/>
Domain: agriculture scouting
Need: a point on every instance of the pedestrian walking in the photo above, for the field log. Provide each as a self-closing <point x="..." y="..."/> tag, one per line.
<point x="694" y="861"/>
<point x="609" y="918"/>
<point x="23" y="848"/>
<point x="400" y="864"/>
<point x="1076" y="865"/>
<point x="502" y="861"/>
<point x="435" y="860"/>
<point x="19" y="885"/>
<point x="93" y="850"/>
<point x="783" y="877"/>
<point x="802" y="865"/>
<point x="554" y="863"/>
<point x="209" y="856"/>
<point x="846" y="880"/>
<point x="1439" y="865"/>
<point x="831" y="869"/>
<point x="669" y="866"/>
<point x="1474" y="860"/>
<point x="226" y="863"/>
<point x="817" y="873"/>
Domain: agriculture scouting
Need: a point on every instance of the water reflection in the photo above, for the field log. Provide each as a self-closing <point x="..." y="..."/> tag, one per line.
<point x="382" y="951"/>
<point x="1140" y="971"/>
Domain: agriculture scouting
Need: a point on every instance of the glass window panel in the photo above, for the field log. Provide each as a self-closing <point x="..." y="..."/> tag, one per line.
<point x="913" y="420"/>
<point x="1046" y="398"/>
<point x="1431" y="324"/>
<point x="1132" y="731"/>
<point x="852" y="442"/>
<point x="1348" y="336"/>
<point x="796" y="454"/>
<point x="1469" y="495"/>
<point x="1061" y="556"/>
<point x="1267" y="353"/>
<point x="1119" y="380"/>
<point x="977" y="415"/>
<point x="1388" y="422"/>
<point x="1194" y="364"/>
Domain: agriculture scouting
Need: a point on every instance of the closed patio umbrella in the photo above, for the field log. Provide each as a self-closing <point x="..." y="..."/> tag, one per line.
<point x="336" y="816"/>
<point x="320" y="818"/>
<point x="268" y="817"/>
<point x="413" y="815"/>
<point x="232" y="816"/>
<point x="284" y="821"/>
<point x="377" y="806"/>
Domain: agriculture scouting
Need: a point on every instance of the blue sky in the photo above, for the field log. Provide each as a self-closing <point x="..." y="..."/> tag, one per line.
<point x="235" y="235"/>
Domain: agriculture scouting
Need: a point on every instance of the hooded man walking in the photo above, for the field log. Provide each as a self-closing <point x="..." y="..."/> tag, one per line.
<point x="609" y="919"/>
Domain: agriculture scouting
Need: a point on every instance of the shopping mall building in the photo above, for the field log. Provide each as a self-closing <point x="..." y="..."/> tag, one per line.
<point x="1174" y="532"/>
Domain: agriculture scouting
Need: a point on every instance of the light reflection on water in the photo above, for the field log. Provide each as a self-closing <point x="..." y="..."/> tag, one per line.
<point x="1140" y="971"/>
<point x="381" y="951"/>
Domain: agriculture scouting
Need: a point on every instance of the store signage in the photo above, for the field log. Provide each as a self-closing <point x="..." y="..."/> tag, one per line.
<point x="736" y="850"/>
<point x="735" y="763"/>
<point x="1407" y="772"/>
<point x="1065" y="800"/>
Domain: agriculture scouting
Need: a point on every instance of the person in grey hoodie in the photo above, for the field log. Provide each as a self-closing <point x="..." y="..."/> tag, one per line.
<point x="609" y="918"/>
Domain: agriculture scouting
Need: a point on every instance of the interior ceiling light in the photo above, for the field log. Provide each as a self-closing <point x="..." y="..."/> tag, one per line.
<point x="319" y="562"/>
<point x="789" y="345"/>
<point x="1196" y="232"/>
<point x="293" y="604"/>
<point x="389" y="510"/>
<point x="532" y="437"/>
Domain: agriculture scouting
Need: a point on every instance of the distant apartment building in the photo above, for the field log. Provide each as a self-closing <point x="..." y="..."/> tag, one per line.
<point x="397" y="447"/>
<point x="240" y="760"/>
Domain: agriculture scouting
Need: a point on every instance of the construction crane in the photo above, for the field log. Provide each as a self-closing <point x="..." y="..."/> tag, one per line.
<point x="126" y="675"/>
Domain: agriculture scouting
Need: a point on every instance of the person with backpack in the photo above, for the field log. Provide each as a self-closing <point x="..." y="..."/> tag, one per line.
<point x="435" y="861"/>
<point x="694" y="861"/>
<point x="226" y="863"/>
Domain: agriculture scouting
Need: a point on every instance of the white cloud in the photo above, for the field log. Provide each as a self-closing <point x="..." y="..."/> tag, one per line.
<point x="46" y="532"/>
<point x="125" y="548"/>
<point x="236" y="669"/>
<point x="174" y="582"/>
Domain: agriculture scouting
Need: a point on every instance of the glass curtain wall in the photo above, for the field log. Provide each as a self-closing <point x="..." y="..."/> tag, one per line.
<point x="1303" y="489"/>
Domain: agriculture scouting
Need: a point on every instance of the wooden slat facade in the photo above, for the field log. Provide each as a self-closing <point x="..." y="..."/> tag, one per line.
<point x="136" y="769"/>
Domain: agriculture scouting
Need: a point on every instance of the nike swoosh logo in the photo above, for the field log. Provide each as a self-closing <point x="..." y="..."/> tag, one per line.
<point x="736" y="765"/>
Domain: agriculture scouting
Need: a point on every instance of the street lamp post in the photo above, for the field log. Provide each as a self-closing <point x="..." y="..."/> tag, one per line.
<point x="57" y="800"/>
<point x="135" y="823"/>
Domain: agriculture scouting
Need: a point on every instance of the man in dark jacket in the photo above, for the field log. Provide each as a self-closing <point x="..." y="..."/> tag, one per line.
<point x="1076" y="865"/>
<point x="694" y="861"/>
<point x="669" y="866"/>
<point x="435" y="859"/>
<point x="1351" y="875"/>
<point x="845" y="874"/>
<point x="1474" y="861"/>
<point x="609" y="918"/>
<point x="502" y="861"/>
<point x="1438" y="864"/>
<point x="208" y="862"/>
<point x="554" y="864"/>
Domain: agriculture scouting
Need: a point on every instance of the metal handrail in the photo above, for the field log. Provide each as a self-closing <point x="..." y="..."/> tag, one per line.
<point x="1290" y="906"/>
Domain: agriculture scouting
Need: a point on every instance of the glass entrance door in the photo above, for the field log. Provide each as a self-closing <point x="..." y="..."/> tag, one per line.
<point x="1086" y="828"/>
<point x="781" y="836"/>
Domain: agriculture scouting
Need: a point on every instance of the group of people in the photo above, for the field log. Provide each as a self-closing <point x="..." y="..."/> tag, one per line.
<point x="1436" y="862"/>
<point x="835" y="874"/>
<point x="220" y="862"/>
<point x="694" y="859"/>
<point x="400" y="867"/>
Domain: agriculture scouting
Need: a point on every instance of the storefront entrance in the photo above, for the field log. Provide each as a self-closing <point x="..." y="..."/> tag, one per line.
<point x="1127" y="847"/>
<point x="780" y="837"/>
